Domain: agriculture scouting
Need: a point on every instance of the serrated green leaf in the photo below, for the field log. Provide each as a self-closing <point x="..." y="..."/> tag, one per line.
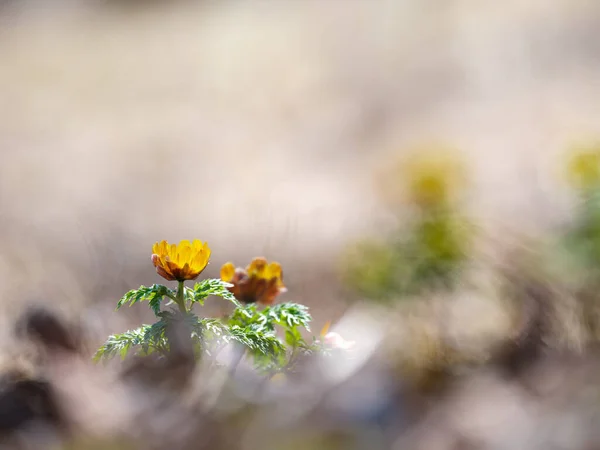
<point x="155" y="334"/>
<point x="120" y="344"/>
<point x="289" y="315"/>
<point x="155" y="304"/>
<point x="265" y="348"/>
<point x="153" y="294"/>
<point x="247" y="315"/>
<point x="212" y="326"/>
<point x="212" y="286"/>
<point x="293" y="337"/>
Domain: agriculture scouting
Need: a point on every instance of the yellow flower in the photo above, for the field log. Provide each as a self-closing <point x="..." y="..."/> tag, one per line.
<point x="260" y="282"/>
<point x="430" y="177"/>
<point x="584" y="168"/>
<point x="183" y="261"/>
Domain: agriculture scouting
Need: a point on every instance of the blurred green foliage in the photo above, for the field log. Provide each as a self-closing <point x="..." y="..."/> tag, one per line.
<point x="580" y="243"/>
<point x="429" y="250"/>
<point x="431" y="245"/>
<point x="582" y="237"/>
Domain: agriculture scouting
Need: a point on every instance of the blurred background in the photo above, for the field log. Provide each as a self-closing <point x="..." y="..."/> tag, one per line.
<point x="269" y="128"/>
<point x="260" y="126"/>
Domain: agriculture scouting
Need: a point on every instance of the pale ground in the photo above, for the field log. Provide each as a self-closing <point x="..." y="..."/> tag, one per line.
<point x="260" y="127"/>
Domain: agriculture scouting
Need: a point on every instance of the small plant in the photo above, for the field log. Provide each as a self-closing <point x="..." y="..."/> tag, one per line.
<point x="582" y="238"/>
<point x="430" y="249"/>
<point x="580" y="242"/>
<point x="252" y="326"/>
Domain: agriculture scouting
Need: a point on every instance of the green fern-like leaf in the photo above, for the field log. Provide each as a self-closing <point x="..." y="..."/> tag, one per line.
<point x="264" y="347"/>
<point x="213" y="286"/>
<point x="155" y="334"/>
<point x="153" y="294"/>
<point x="211" y="328"/>
<point x="288" y="315"/>
<point x="245" y="316"/>
<point x="120" y="344"/>
<point x="293" y="337"/>
<point x="253" y="329"/>
<point x="267" y="351"/>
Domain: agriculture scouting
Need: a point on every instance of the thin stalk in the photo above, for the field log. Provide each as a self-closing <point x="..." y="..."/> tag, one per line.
<point x="179" y="298"/>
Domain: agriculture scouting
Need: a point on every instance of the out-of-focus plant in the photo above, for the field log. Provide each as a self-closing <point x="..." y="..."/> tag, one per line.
<point x="252" y="329"/>
<point x="430" y="178"/>
<point x="431" y="248"/>
<point x="581" y="241"/>
<point x="583" y="236"/>
<point x="583" y="168"/>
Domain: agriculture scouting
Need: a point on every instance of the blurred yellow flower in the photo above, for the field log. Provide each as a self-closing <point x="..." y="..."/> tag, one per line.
<point x="183" y="261"/>
<point x="583" y="168"/>
<point x="260" y="282"/>
<point x="430" y="177"/>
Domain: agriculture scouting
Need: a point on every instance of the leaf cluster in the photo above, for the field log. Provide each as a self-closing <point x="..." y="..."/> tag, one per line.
<point x="431" y="252"/>
<point x="253" y="329"/>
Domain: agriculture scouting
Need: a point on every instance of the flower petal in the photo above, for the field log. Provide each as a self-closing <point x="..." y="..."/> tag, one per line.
<point x="206" y="251"/>
<point x="227" y="272"/>
<point x="163" y="248"/>
<point x="274" y="270"/>
<point x="257" y="267"/>
<point x="197" y="245"/>
<point x="199" y="261"/>
<point x="163" y="273"/>
<point x="155" y="259"/>
<point x="185" y="255"/>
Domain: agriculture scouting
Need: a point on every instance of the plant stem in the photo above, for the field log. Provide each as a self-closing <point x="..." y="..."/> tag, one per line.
<point x="239" y="351"/>
<point x="179" y="298"/>
<point x="292" y="358"/>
